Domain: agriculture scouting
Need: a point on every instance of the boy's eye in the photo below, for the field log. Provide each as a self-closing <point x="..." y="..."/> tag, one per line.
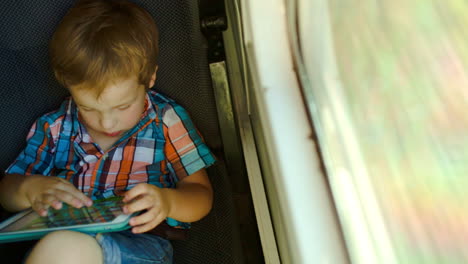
<point x="85" y="109"/>
<point x="123" y="107"/>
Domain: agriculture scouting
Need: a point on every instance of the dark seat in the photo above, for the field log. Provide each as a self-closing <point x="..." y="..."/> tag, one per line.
<point x="28" y="89"/>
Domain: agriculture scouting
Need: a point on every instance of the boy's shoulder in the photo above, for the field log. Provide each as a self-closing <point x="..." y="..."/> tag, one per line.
<point x="164" y="104"/>
<point x="55" y="121"/>
<point x="59" y="113"/>
<point x="159" y="99"/>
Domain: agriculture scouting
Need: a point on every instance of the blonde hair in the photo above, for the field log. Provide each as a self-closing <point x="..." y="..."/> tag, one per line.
<point x="99" y="42"/>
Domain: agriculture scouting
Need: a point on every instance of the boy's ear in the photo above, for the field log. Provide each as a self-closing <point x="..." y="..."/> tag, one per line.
<point x="153" y="78"/>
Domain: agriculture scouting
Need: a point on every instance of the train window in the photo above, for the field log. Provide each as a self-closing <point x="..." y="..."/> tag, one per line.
<point x="386" y="84"/>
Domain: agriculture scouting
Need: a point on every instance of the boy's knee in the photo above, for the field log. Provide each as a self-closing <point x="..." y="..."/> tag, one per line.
<point x="66" y="247"/>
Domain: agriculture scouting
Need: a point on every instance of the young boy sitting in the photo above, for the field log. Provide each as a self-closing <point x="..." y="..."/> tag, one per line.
<point x="113" y="137"/>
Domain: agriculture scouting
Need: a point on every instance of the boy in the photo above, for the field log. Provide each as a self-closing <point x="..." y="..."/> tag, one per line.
<point x="112" y="137"/>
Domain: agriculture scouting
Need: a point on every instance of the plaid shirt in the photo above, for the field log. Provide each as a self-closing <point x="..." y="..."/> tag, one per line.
<point x="163" y="148"/>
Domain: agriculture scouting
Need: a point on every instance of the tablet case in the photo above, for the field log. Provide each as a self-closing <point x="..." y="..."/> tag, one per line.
<point x="69" y="218"/>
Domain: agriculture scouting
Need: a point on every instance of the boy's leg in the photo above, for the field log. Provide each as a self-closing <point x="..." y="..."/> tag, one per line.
<point x="124" y="247"/>
<point x="66" y="247"/>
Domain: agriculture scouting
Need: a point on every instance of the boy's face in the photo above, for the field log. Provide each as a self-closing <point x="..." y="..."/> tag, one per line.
<point x="118" y="108"/>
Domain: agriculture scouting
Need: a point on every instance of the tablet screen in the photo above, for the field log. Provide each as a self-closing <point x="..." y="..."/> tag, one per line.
<point x="102" y="211"/>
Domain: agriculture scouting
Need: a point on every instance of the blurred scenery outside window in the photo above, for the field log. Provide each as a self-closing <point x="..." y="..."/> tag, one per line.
<point x="389" y="85"/>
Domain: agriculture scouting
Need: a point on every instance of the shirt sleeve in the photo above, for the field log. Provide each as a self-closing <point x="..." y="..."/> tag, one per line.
<point x="186" y="152"/>
<point x="37" y="156"/>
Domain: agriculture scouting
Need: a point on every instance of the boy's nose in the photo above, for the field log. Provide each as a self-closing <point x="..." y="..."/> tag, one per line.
<point x="108" y="123"/>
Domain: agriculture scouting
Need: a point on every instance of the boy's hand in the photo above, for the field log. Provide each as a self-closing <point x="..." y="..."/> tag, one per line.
<point x="150" y="198"/>
<point x="45" y="191"/>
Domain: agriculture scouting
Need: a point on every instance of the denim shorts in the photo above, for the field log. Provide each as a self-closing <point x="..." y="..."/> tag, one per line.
<point x="124" y="247"/>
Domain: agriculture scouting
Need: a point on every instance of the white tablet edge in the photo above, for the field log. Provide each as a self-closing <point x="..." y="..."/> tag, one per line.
<point x="119" y="219"/>
<point x="13" y="218"/>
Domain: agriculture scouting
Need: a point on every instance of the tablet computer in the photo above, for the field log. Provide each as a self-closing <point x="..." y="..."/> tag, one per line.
<point x="104" y="215"/>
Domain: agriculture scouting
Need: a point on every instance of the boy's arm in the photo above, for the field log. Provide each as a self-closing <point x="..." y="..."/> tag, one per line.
<point x="192" y="199"/>
<point x="18" y="192"/>
<point x="12" y="198"/>
<point x="193" y="196"/>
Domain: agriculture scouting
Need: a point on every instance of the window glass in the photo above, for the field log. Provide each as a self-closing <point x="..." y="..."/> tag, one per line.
<point x="389" y="90"/>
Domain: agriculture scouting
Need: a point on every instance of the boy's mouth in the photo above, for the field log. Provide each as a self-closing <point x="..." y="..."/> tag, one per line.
<point x="113" y="134"/>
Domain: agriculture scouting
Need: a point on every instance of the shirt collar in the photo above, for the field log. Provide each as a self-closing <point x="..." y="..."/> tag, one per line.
<point x="81" y="134"/>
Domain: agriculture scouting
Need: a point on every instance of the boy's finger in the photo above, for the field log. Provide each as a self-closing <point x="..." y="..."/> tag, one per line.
<point x="150" y="216"/>
<point x="136" y="191"/>
<point x="51" y="200"/>
<point x="141" y="219"/>
<point x="40" y="208"/>
<point x="137" y="205"/>
<point x="69" y="198"/>
<point x="147" y="226"/>
<point x="143" y="228"/>
<point x="74" y="192"/>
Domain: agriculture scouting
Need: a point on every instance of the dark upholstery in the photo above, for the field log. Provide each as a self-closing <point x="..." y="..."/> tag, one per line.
<point x="28" y="90"/>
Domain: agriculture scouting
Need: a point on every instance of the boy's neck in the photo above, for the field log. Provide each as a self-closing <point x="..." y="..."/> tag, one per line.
<point x="105" y="143"/>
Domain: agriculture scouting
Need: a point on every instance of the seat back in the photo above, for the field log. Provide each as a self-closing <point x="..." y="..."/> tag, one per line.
<point x="28" y="89"/>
